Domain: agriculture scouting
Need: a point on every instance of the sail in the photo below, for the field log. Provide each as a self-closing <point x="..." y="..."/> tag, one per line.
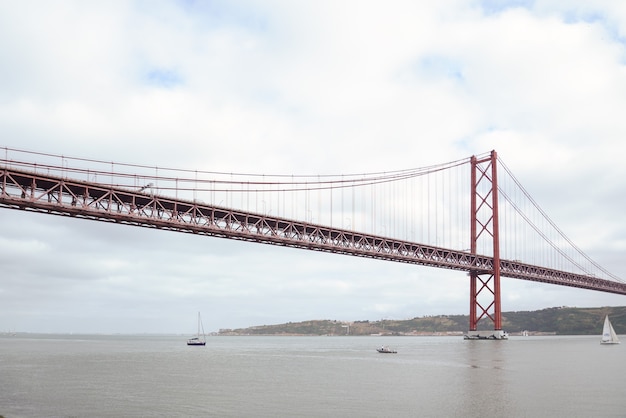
<point x="201" y="335"/>
<point x="608" y="333"/>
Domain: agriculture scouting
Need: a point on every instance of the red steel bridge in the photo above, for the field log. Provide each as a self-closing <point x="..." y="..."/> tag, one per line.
<point x="459" y="215"/>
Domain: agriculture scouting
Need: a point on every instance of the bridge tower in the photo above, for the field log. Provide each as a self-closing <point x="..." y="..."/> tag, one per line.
<point x="484" y="229"/>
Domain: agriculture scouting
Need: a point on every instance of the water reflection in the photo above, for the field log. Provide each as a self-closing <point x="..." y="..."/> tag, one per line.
<point x="486" y="379"/>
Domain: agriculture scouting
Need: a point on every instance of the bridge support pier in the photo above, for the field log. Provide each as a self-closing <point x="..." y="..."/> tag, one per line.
<point x="486" y="335"/>
<point x="485" y="280"/>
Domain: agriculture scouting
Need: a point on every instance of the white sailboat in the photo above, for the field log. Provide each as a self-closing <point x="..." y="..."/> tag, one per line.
<point x="608" y="333"/>
<point x="199" y="339"/>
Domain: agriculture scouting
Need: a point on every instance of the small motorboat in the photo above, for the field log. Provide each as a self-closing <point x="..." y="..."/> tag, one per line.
<point x="386" y="350"/>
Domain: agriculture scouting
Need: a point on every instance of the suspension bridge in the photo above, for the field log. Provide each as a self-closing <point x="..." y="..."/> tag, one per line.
<point x="470" y="215"/>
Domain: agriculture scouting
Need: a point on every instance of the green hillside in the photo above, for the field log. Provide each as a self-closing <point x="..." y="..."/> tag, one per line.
<point x="560" y="321"/>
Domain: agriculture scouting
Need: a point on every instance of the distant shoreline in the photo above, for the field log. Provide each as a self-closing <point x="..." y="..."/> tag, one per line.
<point x="550" y="321"/>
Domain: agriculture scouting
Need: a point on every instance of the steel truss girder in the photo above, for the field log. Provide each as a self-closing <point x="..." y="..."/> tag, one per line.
<point x="75" y="198"/>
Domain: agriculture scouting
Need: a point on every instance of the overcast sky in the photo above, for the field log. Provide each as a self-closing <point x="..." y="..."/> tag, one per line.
<point x="301" y="87"/>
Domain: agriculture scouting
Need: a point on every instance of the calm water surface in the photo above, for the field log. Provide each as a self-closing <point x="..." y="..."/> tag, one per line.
<point x="130" y="376"/>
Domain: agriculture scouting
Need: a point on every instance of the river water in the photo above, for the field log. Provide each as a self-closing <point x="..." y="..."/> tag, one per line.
<point x="159" y="376"/>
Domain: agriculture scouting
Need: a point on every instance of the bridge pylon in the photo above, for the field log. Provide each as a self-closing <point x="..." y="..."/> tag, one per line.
<point x="484" y="230"/>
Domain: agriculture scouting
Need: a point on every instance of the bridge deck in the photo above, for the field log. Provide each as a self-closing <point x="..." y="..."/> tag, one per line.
<point x="82" y="199"/>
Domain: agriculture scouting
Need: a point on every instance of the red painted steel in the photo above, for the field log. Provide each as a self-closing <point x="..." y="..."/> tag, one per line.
<point x="485" y="284"/>
<point x="42" y="193"/>
<point x="473" y="248"/>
